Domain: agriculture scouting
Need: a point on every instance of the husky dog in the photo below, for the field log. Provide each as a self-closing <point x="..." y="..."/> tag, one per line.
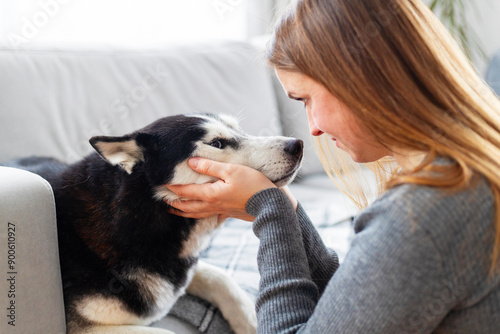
<point x="125" y="259"/>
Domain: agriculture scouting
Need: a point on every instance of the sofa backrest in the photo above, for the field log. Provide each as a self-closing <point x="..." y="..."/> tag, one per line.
<point x="53" y="101"/>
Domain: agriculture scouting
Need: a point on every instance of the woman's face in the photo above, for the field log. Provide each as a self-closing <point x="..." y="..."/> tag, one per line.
<point x="326" y="114"/>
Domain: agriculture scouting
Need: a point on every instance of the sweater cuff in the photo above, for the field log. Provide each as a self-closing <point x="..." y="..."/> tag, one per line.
<point x="271" y="198"/>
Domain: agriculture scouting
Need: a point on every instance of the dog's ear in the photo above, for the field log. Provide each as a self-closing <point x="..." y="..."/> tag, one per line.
<point x="123" y="151"/>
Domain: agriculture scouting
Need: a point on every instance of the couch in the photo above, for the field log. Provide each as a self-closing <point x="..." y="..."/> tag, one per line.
<point x="53" y="100"/>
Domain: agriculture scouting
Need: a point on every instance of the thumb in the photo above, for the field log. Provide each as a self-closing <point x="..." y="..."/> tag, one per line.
<point x="209" y="167"/>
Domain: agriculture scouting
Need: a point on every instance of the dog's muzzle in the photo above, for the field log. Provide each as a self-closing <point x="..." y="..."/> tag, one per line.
<point x="295" y="148"/>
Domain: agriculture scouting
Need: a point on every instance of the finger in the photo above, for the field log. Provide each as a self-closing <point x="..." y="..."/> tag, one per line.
<point x="194" y="215"/>
<point x="191" y="206"/>
<point x="222" y="217"/>
<point x="190" y="191"/>
<point x="188" y="214"/>
<point x="290" y="196"/>
<point x="210" y="167"/>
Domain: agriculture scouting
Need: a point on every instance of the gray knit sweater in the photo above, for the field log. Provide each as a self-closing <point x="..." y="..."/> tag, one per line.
<point x="418" y="263"/>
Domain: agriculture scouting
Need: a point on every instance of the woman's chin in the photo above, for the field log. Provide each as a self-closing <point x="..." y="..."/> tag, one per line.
<point x="362" y="158"/>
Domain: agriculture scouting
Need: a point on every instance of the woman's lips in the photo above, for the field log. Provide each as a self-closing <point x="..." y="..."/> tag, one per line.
<point x="336" y="142"/>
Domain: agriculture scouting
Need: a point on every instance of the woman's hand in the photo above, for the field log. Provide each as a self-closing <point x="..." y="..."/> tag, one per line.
<point x="226" y="197"/>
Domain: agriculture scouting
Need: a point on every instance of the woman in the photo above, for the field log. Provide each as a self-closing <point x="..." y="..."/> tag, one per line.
<point x="380" y="78"/>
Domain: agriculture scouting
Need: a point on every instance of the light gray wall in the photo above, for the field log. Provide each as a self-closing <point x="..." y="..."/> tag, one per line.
<point x="484" y="19"/>
<point x="486" y="23"/>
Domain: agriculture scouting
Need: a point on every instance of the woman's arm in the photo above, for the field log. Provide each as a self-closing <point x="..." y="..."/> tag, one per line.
<point x="323" y="261"/>
<point x="390" y="282"/>
<point x="287" y="292"/>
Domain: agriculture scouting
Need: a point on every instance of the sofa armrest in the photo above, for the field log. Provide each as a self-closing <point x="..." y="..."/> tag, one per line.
<point x="31" y="296"/>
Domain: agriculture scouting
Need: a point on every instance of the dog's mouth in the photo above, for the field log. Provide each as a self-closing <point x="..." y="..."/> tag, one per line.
<point x="284" y="180"/>
<point x="287" y="178"/>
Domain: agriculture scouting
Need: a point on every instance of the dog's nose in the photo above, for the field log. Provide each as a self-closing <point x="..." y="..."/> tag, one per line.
<point x="294" y="147"/>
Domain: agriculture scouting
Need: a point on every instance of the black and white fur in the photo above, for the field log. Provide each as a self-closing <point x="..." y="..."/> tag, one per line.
<point x="125" y="259"/>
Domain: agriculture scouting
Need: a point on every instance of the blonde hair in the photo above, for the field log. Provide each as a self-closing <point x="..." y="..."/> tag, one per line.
<point x="399" y="71"/>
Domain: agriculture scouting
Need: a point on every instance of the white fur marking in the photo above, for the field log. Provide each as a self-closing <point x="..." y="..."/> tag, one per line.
<point x="112" y="311"/>
<point x="161" y="290"/>
<point x="107" y="311"/>
<point x="199" y="238"/>
<point x="214" y="285"/>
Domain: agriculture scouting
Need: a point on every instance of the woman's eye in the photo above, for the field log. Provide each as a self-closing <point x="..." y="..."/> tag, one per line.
<point x="217" y="143"/>
<point x="302" y="100"/>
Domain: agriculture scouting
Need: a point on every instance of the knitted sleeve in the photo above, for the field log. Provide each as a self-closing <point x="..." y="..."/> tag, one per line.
<point x="322" y="261"/>
<point x="287" y="293"/>
<point x="392" y="273"/>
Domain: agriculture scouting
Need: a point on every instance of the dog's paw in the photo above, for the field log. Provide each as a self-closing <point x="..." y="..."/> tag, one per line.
<point x="241" y="314"/>
<point x="217" y="287"/>
<point x="246" y="324"/>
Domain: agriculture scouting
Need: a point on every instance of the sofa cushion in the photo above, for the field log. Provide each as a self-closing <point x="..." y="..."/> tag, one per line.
<point x="53" y="101"/>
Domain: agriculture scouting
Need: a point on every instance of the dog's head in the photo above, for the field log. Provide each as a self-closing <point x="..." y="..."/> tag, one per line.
<point x="161" y="150"/>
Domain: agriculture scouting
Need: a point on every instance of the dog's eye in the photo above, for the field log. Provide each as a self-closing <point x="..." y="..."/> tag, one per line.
<point x="218" y="143"/>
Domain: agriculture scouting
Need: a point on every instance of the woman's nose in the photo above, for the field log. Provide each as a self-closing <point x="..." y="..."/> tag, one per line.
<point x="313" y="128"/>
